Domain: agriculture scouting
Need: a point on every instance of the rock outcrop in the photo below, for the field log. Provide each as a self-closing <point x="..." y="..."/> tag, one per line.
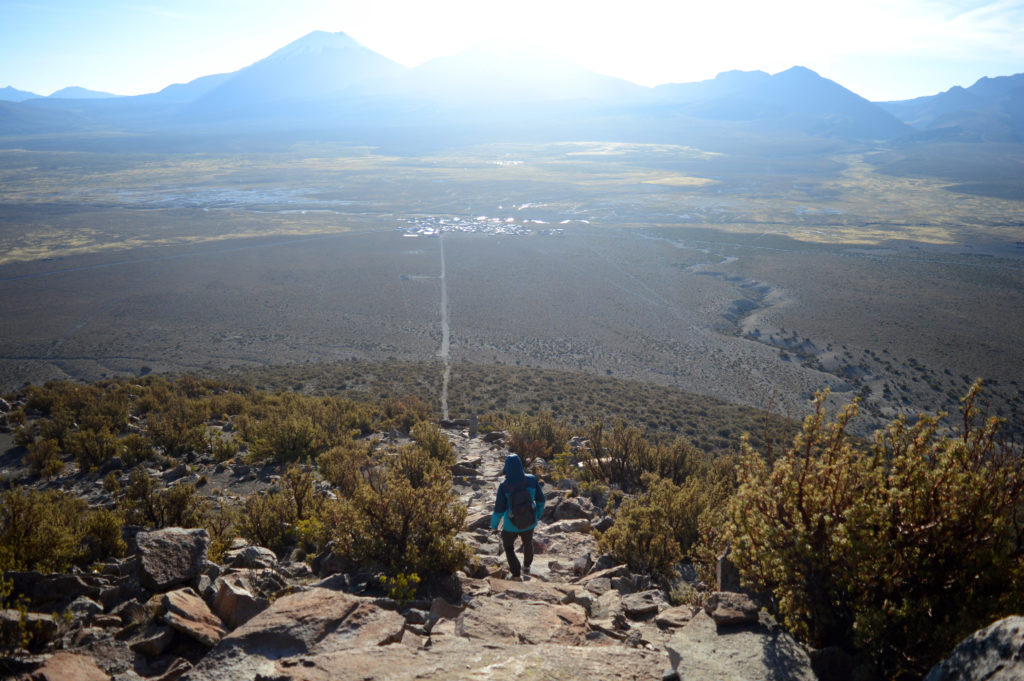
<point x="762" y="650"/>
<point x="171" y="557"/>
<point x="995" y="653"/>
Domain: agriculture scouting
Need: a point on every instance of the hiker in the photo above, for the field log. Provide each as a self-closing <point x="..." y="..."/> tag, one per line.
<point x="518" y="507"/>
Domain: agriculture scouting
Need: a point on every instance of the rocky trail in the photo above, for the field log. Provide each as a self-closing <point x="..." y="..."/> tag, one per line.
<point x="166" y="613"/>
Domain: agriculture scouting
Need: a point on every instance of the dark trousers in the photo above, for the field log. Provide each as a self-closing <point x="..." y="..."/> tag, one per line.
<point x="508" y="540"/>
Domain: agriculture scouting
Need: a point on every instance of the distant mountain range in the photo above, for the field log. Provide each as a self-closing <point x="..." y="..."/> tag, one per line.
<point x="508" y="92"/>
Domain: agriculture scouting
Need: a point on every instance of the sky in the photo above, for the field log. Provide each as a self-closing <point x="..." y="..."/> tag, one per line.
<point x="880" y="49"/>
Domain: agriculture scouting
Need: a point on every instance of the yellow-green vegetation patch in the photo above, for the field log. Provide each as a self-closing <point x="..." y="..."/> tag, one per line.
<point x="681" y="181"/>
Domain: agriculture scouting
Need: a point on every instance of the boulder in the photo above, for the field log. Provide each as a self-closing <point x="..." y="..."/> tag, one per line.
<point x="478" y="521"/>
<point x="728" y="609"/>
<point x="674" y="617"/>
<point x="65" y="666"/>
<point x="153" y="640"/>
<point x="252" y="558"/>
<point x="726" y="574"/>
<point x="84" y="608"/>
<point x="234" y="604"/>
<point x="313" y="622"/>
<point x="171" y="557"/>
<point x="189" y="614"/>
<point x="54" y="593"/>
<point x="643" y="605"/>
<point x="175" y="671"/>
<point x="43" y="628"/>
<point x="524" y="622"/>
<point x="995" y="653"/>
<point x="567" y="526"/>
<point x="763" y="650"/>
<point x="573" y="509"/>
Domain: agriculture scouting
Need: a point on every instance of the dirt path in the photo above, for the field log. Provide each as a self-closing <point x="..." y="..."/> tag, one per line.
<point x="555" y="549"/>
<point x="444" y="352"/>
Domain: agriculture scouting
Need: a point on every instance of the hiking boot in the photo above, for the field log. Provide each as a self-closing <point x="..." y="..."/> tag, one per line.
<point x="526" y="569"/>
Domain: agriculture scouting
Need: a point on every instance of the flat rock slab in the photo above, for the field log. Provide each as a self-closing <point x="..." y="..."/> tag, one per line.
<point x="171" y="557"/>
<point x="675" y="617"/>
<point x="314" y="622"/>
<point x="469" y="660"/>
<point x="701" y="651"/>
<point x="69" y="667"/>
<point x="531" y="590"/>
<point x="527" y="622"/>
<point x="188" y="613"/>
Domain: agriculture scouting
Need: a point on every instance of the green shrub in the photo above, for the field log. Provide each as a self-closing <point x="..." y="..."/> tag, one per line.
<point x="50" y="531"/>
<point x="342" y="465"/>
<point x="898" y="548"/>
<point x="282" y="519"/>
<point x="537" y="436"/>
<point x="656" y="529"/>
<point x="177" y="427"/>
<point x="93" y="448"/>
<point x="176" y="506"/>
<point x="402" y="413"/>
<point x="434" y="442"/>
<point x="404" y="518"/>
<point x="43" y="458"/>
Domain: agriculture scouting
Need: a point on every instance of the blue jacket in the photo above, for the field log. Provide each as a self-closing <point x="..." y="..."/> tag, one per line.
<point x="514" y="476"/>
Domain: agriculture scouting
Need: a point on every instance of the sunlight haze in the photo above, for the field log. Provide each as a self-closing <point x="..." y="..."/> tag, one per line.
<point x="879" y="49"/>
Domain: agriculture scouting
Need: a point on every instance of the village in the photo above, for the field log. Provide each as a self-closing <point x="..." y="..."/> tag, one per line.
<point x="434" y="225"/>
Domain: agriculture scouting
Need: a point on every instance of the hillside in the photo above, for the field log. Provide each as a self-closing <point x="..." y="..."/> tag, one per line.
<point x="304" y="538"/>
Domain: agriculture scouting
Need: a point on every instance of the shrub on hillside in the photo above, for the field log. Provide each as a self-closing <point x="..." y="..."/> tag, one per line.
<point x="402" y="413"/>
<point x="898" y="548"/>
<point x="177" y="425"/>
<point x="43" y="458"/>
<point x="177" y="506"/>
<point x="92" y="448"/>
<point x="537" y="436"/>
<point x="342" y="465"/>
<point x="50" y="531"/>
<point x="435" y="443"/>
<point x="656" y="529"/>
<point x="281" y="519"/>
<point x="404" y="518"/>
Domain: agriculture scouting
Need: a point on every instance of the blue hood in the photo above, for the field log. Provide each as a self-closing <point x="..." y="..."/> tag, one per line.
<point x="514" y="473"/>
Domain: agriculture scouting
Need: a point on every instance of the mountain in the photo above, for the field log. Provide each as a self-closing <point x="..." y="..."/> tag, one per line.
<point x="512" y="91"/>
<point x="184" y="93"/>
<point x="795" y="99"/>
<point x="10" y="94"/>
<point x="318" y="66"/>
<point x="990" y="110"/>
<point x="503" y="72"/>
<point x="75" y="92"/>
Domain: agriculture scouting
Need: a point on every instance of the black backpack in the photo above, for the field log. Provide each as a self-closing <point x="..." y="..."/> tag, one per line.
<point x="521" y="509"/>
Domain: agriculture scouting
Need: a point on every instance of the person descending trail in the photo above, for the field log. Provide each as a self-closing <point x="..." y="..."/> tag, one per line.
<point x="518" y="507"/>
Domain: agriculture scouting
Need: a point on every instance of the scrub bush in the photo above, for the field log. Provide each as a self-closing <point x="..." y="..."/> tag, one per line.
<point x="897" y="548"/>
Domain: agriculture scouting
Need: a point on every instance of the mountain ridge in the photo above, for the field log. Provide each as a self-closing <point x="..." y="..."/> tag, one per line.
<point x="511" y="90"/>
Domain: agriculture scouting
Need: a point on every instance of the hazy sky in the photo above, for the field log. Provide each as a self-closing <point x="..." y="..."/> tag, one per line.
<point x="881" y="49"/>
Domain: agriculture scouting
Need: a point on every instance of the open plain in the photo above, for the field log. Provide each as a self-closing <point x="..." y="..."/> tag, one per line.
<point x="753" y="279"/>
